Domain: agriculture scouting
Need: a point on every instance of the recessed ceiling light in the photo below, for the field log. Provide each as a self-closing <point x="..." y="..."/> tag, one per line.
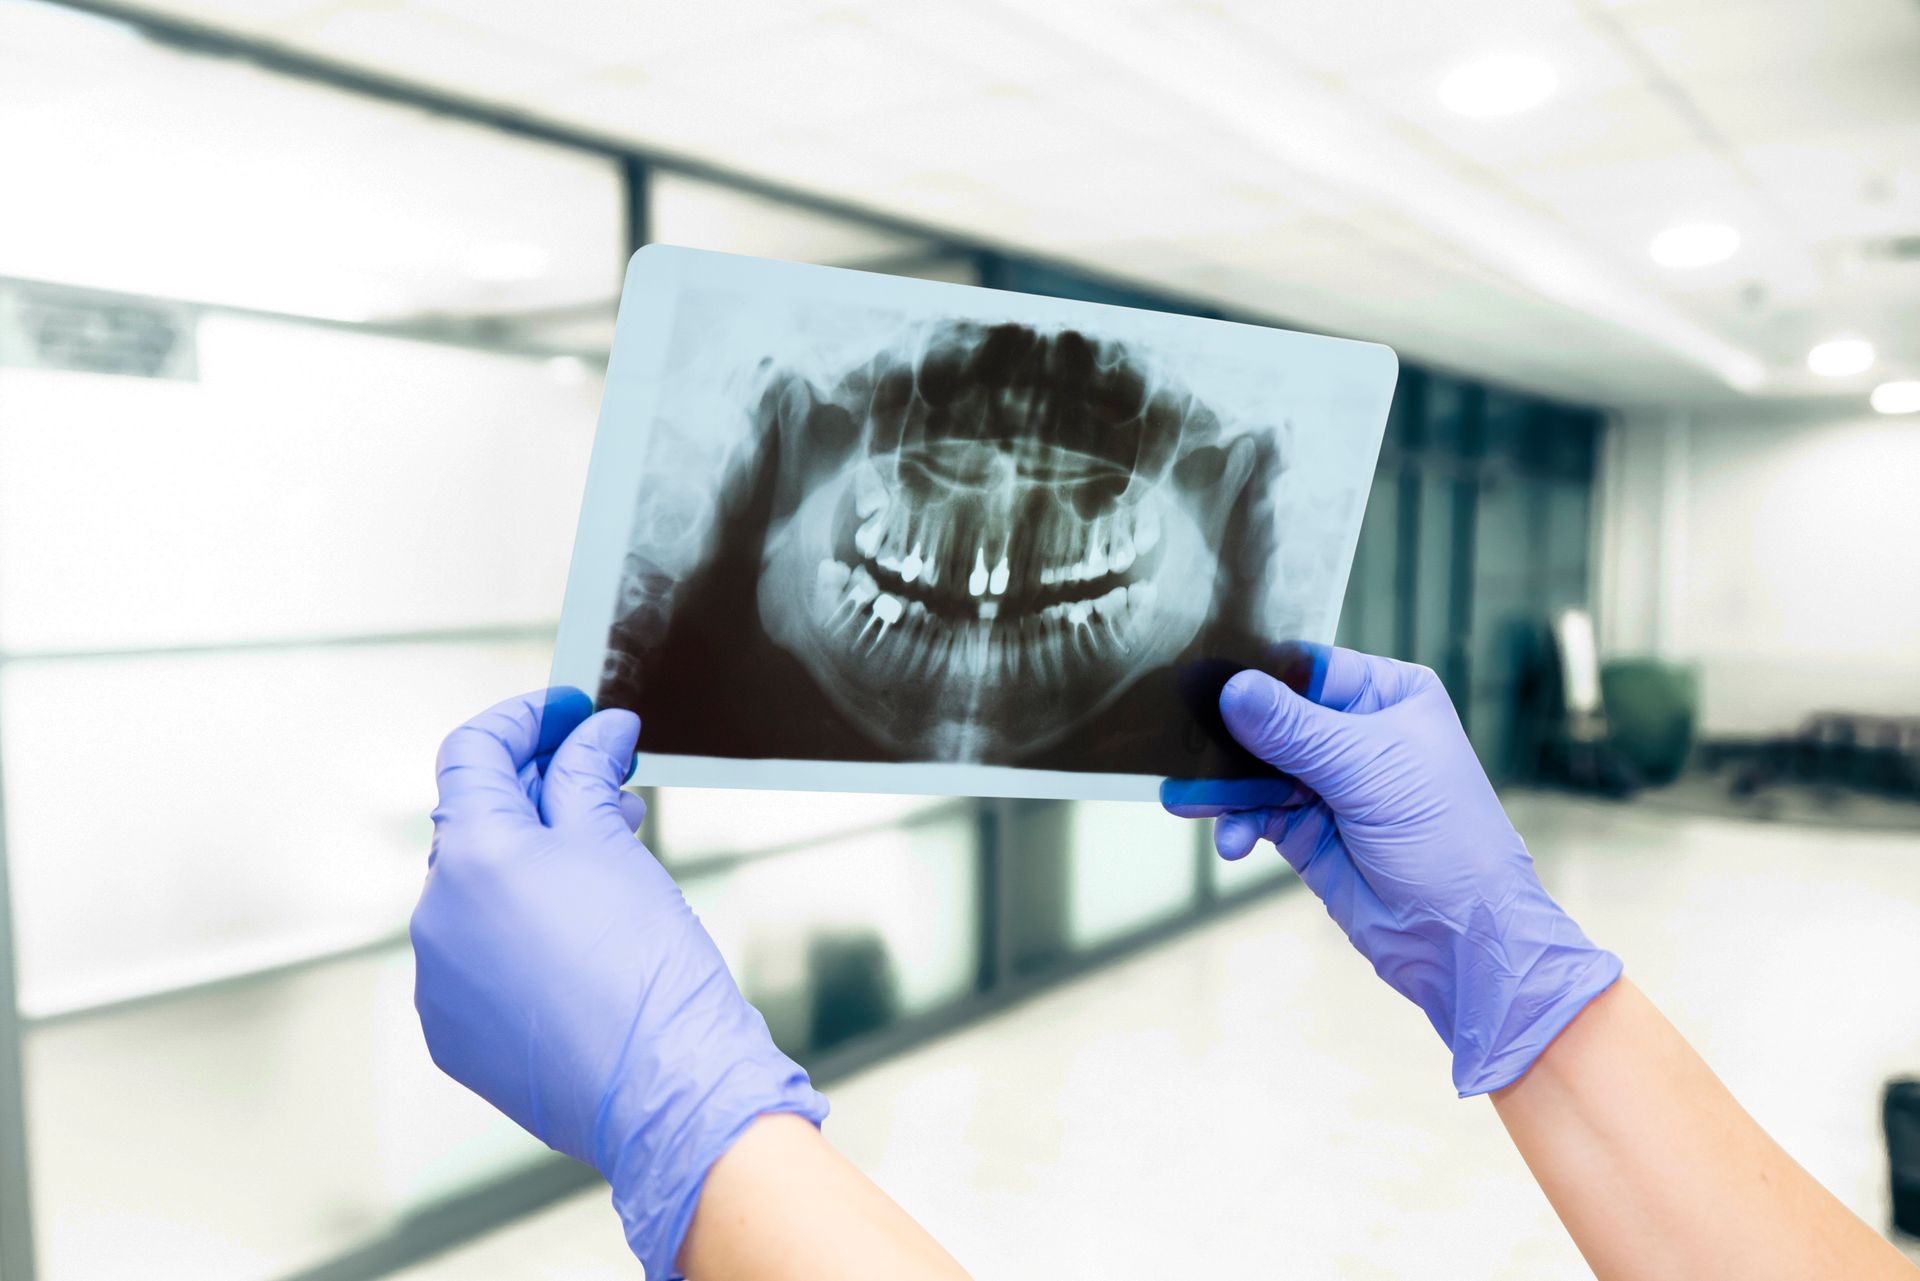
<point x="1499" y="85"/>
<point x="1694" y="244"/>
<point x="1902" y="397"/>
<point x="1841" y="357"/>
<point x="506" y="262"/>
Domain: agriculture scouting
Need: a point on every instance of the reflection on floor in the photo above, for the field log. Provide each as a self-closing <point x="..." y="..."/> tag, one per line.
<point x="1248" y="1100"/>
<point x="1712" y="792"/>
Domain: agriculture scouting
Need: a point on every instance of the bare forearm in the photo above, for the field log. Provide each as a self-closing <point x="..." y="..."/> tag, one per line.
<point x="1657" y="1172"/>
<point x="782" y="1205"/>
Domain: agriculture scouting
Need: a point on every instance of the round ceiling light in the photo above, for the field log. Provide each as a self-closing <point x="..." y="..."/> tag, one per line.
<point x="1694" y="244"/>
<point x="1841" y="357"/>
<point x="1902" y="397"/>
<point x="1500" y="85"/>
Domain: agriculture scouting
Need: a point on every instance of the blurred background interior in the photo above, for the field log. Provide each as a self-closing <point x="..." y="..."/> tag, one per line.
<point x="304" y="310"/>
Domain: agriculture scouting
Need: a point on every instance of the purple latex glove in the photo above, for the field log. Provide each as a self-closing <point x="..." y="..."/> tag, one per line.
<point x="1406" y="844"/>
<point x="562" y="977"/>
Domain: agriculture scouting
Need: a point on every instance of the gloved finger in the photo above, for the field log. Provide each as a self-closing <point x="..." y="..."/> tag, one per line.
<point x="1346" y="679"/>
<point x="1324" y="674"/>
<point x="582" y="787"/>
<point x="633" y="809"/>
<point x="1308" y="837"/>
<point x="1309" y="840"/>
<point x="478" y="769"/>
<point x="561" y="710"/>
<point x="1356" y="682"/>
<point x="565" y="708"/>
<point x="1235" y="835"/>
<point x="1304" y="835"/>
<point x="1293" y="735"/>
<point x="1212" y="797"/>
<point x="530" y="726"/>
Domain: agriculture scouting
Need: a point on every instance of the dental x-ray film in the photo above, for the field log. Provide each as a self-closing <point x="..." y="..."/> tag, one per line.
<point x="851" y="532"/>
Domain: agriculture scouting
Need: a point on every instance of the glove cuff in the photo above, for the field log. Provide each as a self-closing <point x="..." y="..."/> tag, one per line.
<point x="657" y="1179"/>
<point x="1521" y="976"/>
<point x="677" y="1105"/>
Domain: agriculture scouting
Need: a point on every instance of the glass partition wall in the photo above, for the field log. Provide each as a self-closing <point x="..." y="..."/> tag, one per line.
<point x="298" y="374"/>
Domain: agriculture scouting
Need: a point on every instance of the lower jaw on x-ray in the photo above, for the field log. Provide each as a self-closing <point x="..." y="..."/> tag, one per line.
<point x="980" y="541"/>
<point x="966" y="600"/>
<point x="956" y="541"/>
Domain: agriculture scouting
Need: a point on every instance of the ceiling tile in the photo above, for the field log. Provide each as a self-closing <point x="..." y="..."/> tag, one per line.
<point x="254" y="15"/>
<point x="1821" y="99"/>
<point x="997" y="47"/>
<point x="1852" y="183"/>
<point x="838" y="73"/>
<point x="1025" y="127"/>
<point x="955" y="198"/>
<point x="653" y="37"/>
<point x="1614" y="126"/>
<point x="1355" y="40"/>
<point x="1757" y="36"/>
<point x="1584" y="60"/>
<point x="1694" y="183"/>
<point x="466" y="57"/>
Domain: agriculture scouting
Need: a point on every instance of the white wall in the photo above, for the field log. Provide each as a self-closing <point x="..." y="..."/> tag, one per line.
<point x="1778" y="550"/>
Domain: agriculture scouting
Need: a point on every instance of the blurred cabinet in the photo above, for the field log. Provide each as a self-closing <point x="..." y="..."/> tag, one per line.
<point x="1084" y="875"/>
<point x="1370" y="615"/>
<point x="836" y="939"/>
<point x="1478" y="529"/>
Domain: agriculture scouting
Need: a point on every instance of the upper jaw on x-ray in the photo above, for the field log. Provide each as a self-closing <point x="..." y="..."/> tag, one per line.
<point x="985" y="534"/>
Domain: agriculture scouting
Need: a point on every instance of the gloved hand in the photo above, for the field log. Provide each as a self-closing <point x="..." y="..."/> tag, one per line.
<point x="562" y="977"/>
<point x="1406" y="844"/>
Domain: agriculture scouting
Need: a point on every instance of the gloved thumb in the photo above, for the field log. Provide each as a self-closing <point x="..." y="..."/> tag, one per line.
<point x="1290" y="733"/>
<point x="582" y="787"/>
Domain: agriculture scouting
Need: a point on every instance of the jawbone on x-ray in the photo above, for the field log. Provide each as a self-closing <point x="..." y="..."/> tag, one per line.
<point x="850" y="532"/>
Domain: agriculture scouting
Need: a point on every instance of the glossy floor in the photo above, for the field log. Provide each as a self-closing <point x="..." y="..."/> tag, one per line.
<point x="1248" y="1100"/>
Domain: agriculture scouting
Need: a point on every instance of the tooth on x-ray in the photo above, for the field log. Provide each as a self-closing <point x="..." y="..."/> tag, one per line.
<point x="893" y="523"/>
<point x="1011" y="486"/>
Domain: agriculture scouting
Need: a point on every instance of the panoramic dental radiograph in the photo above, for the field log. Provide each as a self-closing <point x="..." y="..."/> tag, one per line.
<point x="972" y="543"/>
<point x="832" y="527"/>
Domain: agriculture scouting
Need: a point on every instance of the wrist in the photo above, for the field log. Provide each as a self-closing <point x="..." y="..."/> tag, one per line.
<point x="762" y="1168"/>
<point x="664" y="1128"/>
<point x="1553" y="1070"/>
<point x="1514" y="1055"/>
<point x="1522" y="975"/>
